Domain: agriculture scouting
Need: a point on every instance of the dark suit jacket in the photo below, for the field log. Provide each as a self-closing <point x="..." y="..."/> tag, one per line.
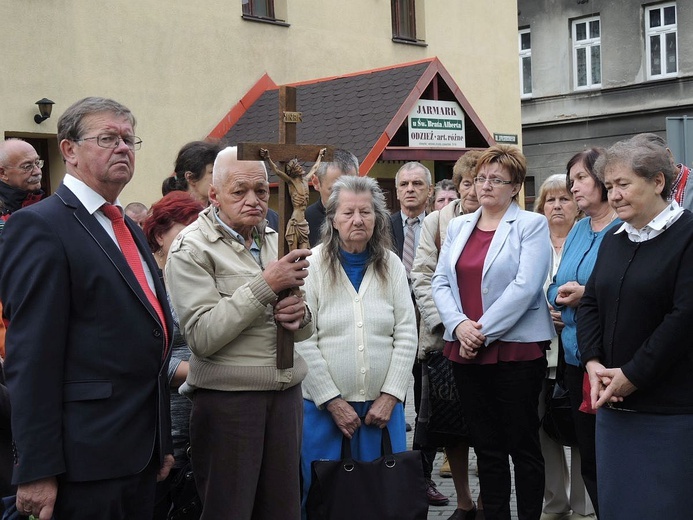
<point x="315" y="215"/>
<point x="88" y="385"/>
<point x="397" y="232"/>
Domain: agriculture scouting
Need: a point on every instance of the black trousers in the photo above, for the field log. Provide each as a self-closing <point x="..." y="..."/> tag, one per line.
<point x="585" y="427"/>
<point x="124" y="498"/>
<point x="428" y="453"/>
<point x="501" y="404"/>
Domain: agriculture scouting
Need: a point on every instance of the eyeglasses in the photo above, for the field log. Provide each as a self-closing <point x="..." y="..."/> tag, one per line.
<point x="492" y="181"/>
<point x="112" y="141"/>
<point x="29" y="167"/>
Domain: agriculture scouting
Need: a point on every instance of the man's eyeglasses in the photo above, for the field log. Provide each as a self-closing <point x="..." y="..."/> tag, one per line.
<point x="29" y="167"/>
<point x="112" y="141"/>
<point x="492" y="181"/>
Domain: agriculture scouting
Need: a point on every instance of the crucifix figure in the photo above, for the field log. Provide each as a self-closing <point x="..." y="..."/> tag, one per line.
<point x="293" y="190"/>
<point x="297" y="180"/>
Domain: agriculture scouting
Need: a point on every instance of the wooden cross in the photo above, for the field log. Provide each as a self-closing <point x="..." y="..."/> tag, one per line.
<point x="283" y="152"/>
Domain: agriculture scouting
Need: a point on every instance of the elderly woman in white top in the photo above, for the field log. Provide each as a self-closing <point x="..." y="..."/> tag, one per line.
<point x="488" y="288"/>
<point x="361" y="354"/>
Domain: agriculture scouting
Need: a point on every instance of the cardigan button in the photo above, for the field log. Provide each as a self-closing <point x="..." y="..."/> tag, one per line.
<point x="157" y="333"/>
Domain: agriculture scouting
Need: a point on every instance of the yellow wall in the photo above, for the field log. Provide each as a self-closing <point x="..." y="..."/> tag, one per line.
<point x="181" y="65"/>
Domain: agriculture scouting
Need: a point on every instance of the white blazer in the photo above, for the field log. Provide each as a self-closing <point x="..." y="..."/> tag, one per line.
<point x="515" y="269"/>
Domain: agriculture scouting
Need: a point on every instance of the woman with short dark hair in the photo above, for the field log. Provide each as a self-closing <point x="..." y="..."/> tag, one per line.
<point x="565" y="292"/>
<point x="193" y="170"/>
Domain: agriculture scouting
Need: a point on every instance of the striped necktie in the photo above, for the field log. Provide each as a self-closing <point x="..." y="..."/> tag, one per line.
<point x="409" y="239"/>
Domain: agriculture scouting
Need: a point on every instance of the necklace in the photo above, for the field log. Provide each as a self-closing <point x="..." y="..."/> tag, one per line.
<point x="557" y="243"/>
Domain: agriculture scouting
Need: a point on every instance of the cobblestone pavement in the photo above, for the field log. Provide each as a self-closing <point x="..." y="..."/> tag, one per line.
<point x="445" y="485"/>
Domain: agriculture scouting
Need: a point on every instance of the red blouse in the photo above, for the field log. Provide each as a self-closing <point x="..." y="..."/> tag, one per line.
<point x="469" y="271"/>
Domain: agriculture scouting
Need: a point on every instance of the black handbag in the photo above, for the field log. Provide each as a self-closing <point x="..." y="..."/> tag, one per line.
<point x="186" y="504"/>
<point x="390" y="487"/>
<point x="445" y="409"/>
<point x="558" y="417"/>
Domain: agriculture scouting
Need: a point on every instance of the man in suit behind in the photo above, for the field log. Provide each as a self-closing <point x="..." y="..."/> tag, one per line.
<point x="413" y="183"/>
<point x="88" y="342"/>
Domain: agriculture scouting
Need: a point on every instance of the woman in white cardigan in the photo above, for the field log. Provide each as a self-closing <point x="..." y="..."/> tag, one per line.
<point x="488" y="288"/>
<point x="361" y="354"/>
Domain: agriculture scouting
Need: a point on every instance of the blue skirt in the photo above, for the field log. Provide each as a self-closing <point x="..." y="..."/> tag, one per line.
<point x="644" y="465"/>
<point x="323" y="440"/>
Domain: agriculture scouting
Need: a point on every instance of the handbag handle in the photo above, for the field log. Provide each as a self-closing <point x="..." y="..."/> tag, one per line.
<point x="385" y="446"/>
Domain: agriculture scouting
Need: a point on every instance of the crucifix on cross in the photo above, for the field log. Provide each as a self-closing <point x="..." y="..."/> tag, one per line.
<point x="293" y="190"/>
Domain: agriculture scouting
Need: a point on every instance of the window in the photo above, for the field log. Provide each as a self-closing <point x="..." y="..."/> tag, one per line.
<point x="660" y="41"/>
<point x="587" y="48"/>
<point x="525" y="63"/>
<point x="258" y="8"/>
<point x="404" y="20"/>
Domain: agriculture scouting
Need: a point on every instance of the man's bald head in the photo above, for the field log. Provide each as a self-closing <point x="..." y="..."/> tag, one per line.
<point x="227" y="163"/>
<point x="19" y="165"/>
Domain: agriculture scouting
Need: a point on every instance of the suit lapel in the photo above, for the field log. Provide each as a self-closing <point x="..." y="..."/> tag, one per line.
<point x="398" y="232"/>
<point x="500" y="236"/>
<point x="109" y="247"/>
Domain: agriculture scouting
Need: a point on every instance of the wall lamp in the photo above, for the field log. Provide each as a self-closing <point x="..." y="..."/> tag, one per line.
<point x="45" y="107"/>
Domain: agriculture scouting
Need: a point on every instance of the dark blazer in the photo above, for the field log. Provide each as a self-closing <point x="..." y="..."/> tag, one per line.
<point x="397" y="232"/>
<point x="315" y="215"/>
<point x="87" y="382"/>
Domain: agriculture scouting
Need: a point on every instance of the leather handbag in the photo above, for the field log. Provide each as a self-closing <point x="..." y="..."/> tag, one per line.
<point x="558" y="417"/>
<point x="186" y="504"/>
<point x="445" y="409"/>
<point x="390" y="487"/>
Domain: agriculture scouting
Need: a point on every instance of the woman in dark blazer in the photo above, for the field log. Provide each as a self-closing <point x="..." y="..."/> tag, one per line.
<point x="635" y="330"/>
<point x="488" y="287"/>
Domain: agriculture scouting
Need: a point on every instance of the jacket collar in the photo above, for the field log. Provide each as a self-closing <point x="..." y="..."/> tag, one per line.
<point x="12" y="199"/>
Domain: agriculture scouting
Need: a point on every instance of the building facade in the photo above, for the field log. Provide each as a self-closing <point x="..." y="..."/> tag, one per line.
<point x="180" y="66"/>
<point x="593" y="72"/>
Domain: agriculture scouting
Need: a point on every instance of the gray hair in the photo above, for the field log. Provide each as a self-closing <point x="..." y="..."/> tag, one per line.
<point x="345" y="161"/>
<point x="70" y="124"/>
<point x="379" y="245"/>
<point x="443" y="185"/>
<point x="412" y="165"/>
<point x="649" y="137"/>
<point x="645" y="158"/>
<point x="220" y="172"/>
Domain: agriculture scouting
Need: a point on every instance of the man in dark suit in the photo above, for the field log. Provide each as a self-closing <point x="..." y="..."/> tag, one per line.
<point x="413" y="183"/>
<point x="88" y="340"/>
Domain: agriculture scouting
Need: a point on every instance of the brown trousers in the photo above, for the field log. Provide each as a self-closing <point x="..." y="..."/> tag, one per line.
<point x="246" y="453"/>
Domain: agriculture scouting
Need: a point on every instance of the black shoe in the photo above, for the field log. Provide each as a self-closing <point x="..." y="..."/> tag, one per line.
<point x="435" y="497"/>
<point x="461" y="514"/>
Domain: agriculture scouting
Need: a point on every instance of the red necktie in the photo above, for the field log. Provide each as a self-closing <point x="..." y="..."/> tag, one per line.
<point x="129" y="249"/>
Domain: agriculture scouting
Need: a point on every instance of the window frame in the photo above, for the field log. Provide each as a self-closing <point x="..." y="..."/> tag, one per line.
<point x="661" y="31"/>
<point x="587" y="44"/>
<point x="396" y="8"/>
<point x="525" y="54"/>
<point x="248" y="8"/>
